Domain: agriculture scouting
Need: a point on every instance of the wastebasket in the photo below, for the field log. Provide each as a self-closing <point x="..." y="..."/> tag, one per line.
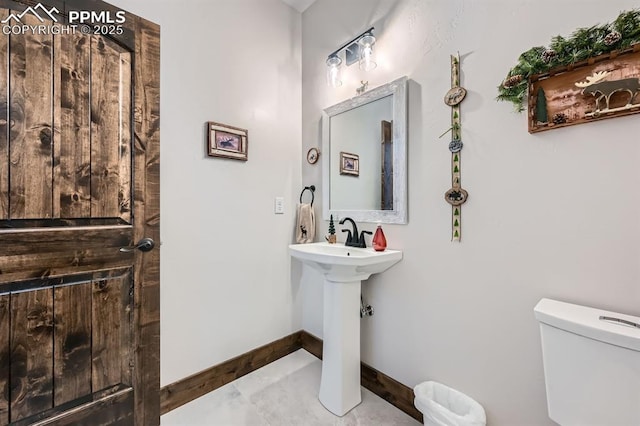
<point x="442" y="406"/>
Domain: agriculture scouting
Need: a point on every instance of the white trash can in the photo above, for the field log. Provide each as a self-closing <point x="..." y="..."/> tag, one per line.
<point x="442" y="406"/>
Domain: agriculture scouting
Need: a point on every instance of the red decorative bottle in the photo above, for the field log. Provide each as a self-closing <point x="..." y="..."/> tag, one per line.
<point x="379" y="242"/>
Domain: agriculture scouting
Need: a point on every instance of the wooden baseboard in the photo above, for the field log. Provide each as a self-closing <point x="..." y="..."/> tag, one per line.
<point x="387" y="388"/>
<point x="185" y="390"/>
<point x="311" y="343"/>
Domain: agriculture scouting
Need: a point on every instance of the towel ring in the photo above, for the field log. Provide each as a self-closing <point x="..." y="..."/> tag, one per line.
<point x="311" y="188"/>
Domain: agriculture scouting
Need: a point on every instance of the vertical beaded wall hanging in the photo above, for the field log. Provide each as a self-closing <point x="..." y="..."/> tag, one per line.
<point x="456" y="196"/>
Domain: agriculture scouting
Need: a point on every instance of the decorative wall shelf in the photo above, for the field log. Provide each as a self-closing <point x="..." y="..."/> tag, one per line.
<point x="616" y="94"/>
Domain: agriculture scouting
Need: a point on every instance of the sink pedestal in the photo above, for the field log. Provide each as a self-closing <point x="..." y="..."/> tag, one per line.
<point x="340" y="382"/>
<point x="343" y="269"/>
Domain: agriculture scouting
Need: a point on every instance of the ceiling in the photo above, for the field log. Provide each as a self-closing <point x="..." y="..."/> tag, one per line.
<point x="299" y="5"/>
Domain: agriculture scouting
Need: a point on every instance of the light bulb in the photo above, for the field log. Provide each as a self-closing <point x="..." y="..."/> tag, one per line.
<point x="333" y="71"/>
<point x="367" y="58"/>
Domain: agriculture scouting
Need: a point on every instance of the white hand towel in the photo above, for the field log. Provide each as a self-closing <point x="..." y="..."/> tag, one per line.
<point x="306" y="225"/>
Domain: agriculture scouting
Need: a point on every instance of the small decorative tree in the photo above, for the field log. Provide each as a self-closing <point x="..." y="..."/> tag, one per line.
<point x="541" y="107"/>
<point x="332" y="231"/>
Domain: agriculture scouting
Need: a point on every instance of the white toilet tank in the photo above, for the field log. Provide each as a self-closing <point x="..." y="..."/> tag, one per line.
<point x="591" y="364"/>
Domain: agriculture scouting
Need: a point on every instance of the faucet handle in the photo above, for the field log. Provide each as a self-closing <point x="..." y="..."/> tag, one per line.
<point x="362" y="242"/>
<point x="349" y="236"/>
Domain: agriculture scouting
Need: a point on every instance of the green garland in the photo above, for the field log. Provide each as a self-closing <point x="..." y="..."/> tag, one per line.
<point x="584" y="43"/>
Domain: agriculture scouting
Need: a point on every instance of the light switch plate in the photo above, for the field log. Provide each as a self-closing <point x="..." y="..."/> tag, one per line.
<point x="279" y="205"/>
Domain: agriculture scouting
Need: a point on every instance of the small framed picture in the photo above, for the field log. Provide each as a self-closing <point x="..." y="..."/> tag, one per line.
<point x="227" y="141"/>
<point x="312" y="155"/>
<point x="349" y="164"/>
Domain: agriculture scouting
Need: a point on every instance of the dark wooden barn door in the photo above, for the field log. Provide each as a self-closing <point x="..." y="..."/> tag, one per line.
<point x="79" y="188"/>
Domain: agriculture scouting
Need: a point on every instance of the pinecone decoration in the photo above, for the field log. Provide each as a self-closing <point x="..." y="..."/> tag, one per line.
<point x="560" y="118"/>
<point x="548" y="55"/>
<point x="512" y="81"/>
<point x="612" y="38"/>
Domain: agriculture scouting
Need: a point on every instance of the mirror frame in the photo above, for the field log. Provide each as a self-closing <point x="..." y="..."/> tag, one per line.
<point x="398" y="89"/>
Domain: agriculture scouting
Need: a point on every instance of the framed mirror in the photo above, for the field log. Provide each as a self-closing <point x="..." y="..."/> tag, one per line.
<point x="364" y="140"/>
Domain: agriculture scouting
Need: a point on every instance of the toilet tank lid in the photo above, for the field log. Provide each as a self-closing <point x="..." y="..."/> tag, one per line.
<point x="585" y="321"/>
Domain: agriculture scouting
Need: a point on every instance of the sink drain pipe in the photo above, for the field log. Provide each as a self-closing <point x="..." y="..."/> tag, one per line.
<point x="365" y="310"/>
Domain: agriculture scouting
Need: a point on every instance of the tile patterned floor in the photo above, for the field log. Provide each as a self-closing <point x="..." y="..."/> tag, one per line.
<point x="283" y="393"/>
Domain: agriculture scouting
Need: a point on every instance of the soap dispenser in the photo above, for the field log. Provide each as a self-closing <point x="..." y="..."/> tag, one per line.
<point x="379" y="242"/>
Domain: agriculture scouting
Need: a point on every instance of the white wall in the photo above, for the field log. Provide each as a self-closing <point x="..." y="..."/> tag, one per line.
<point x="225" y="274"/>
<point x="553" y="214"/>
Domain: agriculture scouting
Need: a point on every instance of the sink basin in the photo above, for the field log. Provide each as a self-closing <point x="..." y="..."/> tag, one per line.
<point x="341" y="263"/>
<point x="343" y="269"/>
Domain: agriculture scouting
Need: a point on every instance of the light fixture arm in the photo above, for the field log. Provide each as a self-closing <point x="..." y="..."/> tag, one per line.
<point x="350" y="42"/>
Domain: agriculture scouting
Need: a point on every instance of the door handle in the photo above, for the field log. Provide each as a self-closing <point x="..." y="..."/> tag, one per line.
<point x="144" y="245"/>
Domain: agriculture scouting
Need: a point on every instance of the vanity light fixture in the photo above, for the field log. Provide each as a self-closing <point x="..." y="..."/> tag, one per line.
<point x="359" y="49"/>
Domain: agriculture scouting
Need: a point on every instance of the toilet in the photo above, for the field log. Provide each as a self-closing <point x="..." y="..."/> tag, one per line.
<point x="591" y="363"/>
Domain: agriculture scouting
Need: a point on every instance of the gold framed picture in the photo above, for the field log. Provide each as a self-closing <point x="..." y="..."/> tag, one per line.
<point x="349" y="164"/>
<point x="227" y="141"/>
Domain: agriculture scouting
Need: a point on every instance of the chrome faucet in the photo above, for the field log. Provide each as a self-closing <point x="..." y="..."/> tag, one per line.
<point x="353" y="239"/>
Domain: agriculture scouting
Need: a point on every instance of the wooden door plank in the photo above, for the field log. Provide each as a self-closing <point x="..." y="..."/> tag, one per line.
<point x="114" y="409"/>
<point x="105" y="128"/>
<point x="29" y="254"/>
<point x="24" y="241"/>
<point x="49" y="265"/>
<point x="4" y="123"/>
<point x="124" y="193"/>
<point x="30" y="139"/>
<point x="5" y="356"/>
<point x="31" y="352"/>
<point x="72" y="173"/>
<point x="111" y="328"/>
<point x="56" y="122"/>
<point x="72" y="344"/>
<point x="147" y="220"/>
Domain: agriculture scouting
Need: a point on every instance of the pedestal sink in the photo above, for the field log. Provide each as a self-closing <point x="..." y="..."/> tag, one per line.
<point x="343" y="268"/>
